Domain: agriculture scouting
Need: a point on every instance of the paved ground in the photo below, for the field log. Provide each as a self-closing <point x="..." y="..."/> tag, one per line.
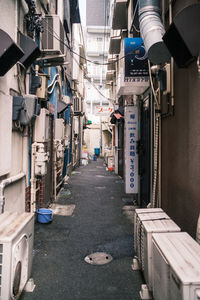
<point x="92" y="215"/>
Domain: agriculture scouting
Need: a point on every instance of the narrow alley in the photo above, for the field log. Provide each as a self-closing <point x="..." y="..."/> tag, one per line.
<point x="99" y="156"/>
<point x="90" y="217"/>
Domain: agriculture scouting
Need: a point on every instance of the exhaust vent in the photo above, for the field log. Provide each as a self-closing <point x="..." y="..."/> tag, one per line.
<point x="152" y="31"/>
<point x="182" y="37"/>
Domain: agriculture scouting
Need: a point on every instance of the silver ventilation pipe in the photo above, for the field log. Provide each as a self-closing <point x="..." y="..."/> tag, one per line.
<point x="152" y="31"/>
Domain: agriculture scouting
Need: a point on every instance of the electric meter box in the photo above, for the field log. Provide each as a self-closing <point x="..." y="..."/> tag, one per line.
<point x="41" y="130"/>
<point x="59" y="129"/>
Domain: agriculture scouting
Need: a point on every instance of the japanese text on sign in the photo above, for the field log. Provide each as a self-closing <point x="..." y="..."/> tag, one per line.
<point x="131" y="156"/>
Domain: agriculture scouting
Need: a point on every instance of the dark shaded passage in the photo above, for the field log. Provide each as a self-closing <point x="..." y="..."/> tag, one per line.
<point x="97" y="224"/>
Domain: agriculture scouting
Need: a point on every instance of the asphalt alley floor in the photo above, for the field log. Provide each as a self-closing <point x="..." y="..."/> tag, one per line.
<point x="92" y="214"/>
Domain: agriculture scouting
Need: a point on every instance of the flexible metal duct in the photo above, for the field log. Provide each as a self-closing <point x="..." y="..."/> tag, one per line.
<point x="152" y="31"/>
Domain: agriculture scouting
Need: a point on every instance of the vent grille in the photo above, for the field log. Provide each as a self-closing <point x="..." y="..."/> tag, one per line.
<point x="142" y="247"/>
<point x="77" y="105"/>
<point x="53" y="38"/>
<point x="1" y="262"/>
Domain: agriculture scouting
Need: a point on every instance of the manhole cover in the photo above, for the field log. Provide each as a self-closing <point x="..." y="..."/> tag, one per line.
<point x="98" y="258"/>
<point x="100" y="187"/>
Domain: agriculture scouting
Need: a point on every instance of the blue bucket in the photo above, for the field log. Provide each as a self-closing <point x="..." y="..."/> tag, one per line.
<point x="97" y="151"/>
<point x="44" y="215"/>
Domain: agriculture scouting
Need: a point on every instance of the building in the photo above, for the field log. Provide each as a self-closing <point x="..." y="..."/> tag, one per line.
<point x="41" y="124"/>
<point x="98" y="103"/>
<point x="166" y="98"/>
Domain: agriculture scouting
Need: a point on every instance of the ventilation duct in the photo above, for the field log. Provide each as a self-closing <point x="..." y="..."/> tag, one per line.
<point x="31" y="50"/>
<point x="182" y="37"/>
<point x="10" y="53"/>
<point x="152" y="31"/>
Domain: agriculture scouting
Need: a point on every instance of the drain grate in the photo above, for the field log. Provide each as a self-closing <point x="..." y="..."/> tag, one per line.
<point x="98" y="258"/>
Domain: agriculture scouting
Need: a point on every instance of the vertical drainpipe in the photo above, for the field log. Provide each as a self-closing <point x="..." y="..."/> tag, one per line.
<point x="152" y="31"/>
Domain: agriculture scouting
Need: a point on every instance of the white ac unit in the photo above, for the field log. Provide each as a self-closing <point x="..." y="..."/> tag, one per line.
<point x="41" y="128"/>
<point x="176" y="267"/>
<point x="137" y="225"/>
<point x="67" y="134"/>
<point x="76" y="125"/>
<point x="77" y="105"/>
<point x="148" y="228"/>
<point x="16" y="249"/>
<point x="53" y="39"/>
<point x="59" y="129"/>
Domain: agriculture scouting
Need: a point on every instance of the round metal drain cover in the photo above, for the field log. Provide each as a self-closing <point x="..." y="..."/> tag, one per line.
<point x="98" y="258"/>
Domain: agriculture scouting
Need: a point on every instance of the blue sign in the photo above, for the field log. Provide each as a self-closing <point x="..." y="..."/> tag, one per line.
<point x="136" y="63"/>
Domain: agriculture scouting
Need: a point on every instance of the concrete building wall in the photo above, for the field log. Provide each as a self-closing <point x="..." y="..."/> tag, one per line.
<point x="95" y="12"/>
<point x="92" y="138"/>
<point x="181" y="148"/>
<point x="12" y="151"/>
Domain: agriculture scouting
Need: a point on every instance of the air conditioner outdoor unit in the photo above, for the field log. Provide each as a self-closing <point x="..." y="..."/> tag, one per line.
<point x="41" y="128"/>
<point x="59" y="129"/>
<point x="176" y="266"/>
<point x="67" y="134"/>
<point x="77" y="104"/>
<point x="137" y="225"/>
<point x="76" y="125"/>
<point x="53" y="39"/>
<point x="148" y="228"/>
<point x="16" y="249"/>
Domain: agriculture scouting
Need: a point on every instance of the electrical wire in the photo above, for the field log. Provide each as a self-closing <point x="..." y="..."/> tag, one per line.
<point x="86" y="59"/>
<point x="89" y="80"/>
<point x="152" y="86"/>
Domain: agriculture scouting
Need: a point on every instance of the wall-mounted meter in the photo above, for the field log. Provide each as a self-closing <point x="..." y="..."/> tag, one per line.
<point x="41" y="129"/>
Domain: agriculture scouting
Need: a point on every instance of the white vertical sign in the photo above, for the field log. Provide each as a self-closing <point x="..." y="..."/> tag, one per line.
<point x="131" y="156"/>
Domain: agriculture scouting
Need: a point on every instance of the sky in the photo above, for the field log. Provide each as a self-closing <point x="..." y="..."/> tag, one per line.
<point x="82" y="6"/>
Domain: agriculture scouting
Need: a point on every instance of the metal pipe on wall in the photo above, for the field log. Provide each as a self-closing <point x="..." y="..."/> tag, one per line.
<point x="5" y="183"/>
<point x="172" y="60"/>
<point x="152" y="31"/>
<point x="33" y="180"/>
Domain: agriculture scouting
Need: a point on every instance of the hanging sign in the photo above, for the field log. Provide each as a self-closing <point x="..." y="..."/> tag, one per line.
<point x="134" y="76"/>
<point x="136" y="63"/>
<point x="131" y="156"/>
<point x="101" y="110"/>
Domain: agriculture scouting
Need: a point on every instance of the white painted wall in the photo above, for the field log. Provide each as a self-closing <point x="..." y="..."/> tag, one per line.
<point x="5" y="133"/>
<point x="14" y="144"/>
<point x="15" y="197"/>
<point x="92" y="138"/>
